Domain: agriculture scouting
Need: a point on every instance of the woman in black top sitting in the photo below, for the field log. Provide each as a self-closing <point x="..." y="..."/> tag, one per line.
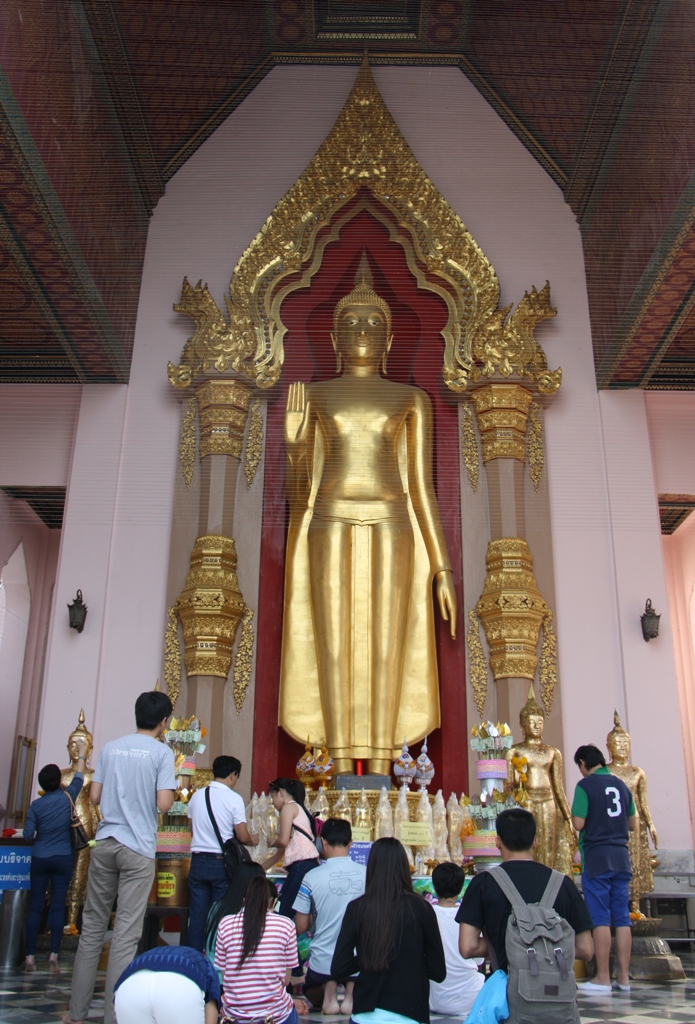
<point x="390" y="935"/>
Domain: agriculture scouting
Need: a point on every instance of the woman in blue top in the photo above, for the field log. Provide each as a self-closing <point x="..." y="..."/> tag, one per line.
<point x="48" y="824"/>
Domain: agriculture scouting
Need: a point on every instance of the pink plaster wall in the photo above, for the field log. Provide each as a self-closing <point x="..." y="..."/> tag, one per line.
<point x="37" y="427"/>
<point x="19" y="525"/>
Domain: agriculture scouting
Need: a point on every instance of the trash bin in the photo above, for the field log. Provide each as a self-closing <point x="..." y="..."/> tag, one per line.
<point x="12" y="913"/>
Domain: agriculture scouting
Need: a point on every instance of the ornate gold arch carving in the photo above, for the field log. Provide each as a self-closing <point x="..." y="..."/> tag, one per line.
<point x="365" y="150"/>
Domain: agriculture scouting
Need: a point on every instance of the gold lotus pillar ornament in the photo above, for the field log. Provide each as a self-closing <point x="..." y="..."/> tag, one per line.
<point x="618" y="744"/>
<point x="210" y="606"/>
<point x="87" y="813"/>
<point x="511" y="608"/>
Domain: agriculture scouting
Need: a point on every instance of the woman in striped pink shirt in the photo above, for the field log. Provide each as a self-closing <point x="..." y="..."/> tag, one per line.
<point x="256" y="951"/>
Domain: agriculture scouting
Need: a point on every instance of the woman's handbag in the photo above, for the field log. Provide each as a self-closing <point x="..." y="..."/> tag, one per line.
<point x="78" y="833"/>
<point x="233" y="852"/>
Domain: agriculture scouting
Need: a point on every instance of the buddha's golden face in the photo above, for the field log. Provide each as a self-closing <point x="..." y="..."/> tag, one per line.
<point x="533" y="726"/>
<point x="74" y="752"/>
<point x="619" y="746"/>
<point x="361" y="335"/>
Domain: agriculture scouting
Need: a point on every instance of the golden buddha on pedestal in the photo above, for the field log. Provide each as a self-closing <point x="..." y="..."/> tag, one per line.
<point x="365" y="542"/>
<point x="88" y="815"/>
<point x="618" y="744"/>
<point x="547" y="800"/>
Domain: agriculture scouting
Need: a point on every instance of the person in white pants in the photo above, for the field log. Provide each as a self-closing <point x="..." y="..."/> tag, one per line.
<point x="168" y="985"/>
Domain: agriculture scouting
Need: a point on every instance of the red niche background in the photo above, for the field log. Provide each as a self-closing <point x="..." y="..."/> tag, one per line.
<point x="415" y="358"/>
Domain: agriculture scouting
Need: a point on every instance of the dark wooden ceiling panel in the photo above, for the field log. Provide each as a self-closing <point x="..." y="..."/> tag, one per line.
<point x="638" y="249"/>
<point x="187" y="56"/>
<point x="543" y="58"/>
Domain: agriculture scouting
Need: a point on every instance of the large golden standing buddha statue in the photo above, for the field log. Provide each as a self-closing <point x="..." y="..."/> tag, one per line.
<point x="87" y="813"/>
<point x="365" y="542"/>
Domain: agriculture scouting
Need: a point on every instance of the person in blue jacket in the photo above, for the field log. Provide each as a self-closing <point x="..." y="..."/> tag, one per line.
<point x="52" y="856"/>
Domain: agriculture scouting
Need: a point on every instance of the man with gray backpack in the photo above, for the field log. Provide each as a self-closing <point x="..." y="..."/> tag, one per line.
<point x="535" y="924"/>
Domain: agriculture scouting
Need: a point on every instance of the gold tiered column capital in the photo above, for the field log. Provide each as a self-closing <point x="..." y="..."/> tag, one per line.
<point x="511" y="609"/>
<point x="223" y="407"/>
<point x="501" y="411"/>
<point x="210" y="607"/>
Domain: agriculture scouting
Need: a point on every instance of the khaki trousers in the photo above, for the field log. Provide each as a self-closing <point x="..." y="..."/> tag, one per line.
<point x="114" y="870"/>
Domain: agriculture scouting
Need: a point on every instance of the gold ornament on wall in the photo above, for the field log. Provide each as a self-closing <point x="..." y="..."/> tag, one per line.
<point x="469" y="447"/>
<point x="366" y="153"/>
<point x="534" y="445"/>
<point x="548" y="670"/>
<point x="501" y="412"/>
<point x="476" y="662"/>
<point x="224" y="407"/>
<point x="254" y="442"/>
<point x="210" y="607"/>
<point x="511" y="609"/>
<point x="187" y="444"/>
<point x="172" y="657"/>
<point x="244" y="657"/>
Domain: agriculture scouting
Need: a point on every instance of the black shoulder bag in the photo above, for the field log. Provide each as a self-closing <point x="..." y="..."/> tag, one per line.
<point x="233" y="852"/>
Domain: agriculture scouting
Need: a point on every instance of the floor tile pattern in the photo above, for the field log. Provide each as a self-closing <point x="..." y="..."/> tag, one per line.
<point x="41" y="998"/>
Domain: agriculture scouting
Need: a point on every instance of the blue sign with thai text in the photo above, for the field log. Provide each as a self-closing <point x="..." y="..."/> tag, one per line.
<point x="15" y="865"/>
<point x="359" y="852"/>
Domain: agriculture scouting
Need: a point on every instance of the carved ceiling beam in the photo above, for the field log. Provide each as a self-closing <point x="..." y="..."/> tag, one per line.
<point x="615" y="90"/>
<point x="35" y="231"/>
<point x="115" y="65"/>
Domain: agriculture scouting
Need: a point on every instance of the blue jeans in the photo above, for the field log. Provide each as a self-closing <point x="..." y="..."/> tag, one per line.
<point x="607" y="898"/>
<point x="207" y="883"/>
<point x="59" y="871"/>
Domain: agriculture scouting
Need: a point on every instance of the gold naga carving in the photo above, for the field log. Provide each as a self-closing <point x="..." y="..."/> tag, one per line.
<point x="244" y="658"/>
<point x="365" y="151"/>
<point x="469" y="447"/>
<point x="210" y="607"/>
<point x="512" y="612"/>
<point x="172" y="657"/>
<point x="254" y="442"/>
<point x="187" y="443"/>
<point x="477" y="665"/>
<point x="534" y="445"/>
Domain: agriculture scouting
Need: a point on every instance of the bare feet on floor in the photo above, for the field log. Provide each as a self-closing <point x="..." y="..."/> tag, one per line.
<point x="53" y="966"/>
<point x="29" y="965"/>
<point x="67" y="1019"/>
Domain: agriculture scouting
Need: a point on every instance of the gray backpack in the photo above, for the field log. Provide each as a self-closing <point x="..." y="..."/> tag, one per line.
<point x="540" y="951"/>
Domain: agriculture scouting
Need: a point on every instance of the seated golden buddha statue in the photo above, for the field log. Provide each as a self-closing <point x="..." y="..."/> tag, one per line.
<point x="547" y="800"/>
<point x="87" y="813"/>
<point x="364" y="545"/>
<point x="618" y="744"/>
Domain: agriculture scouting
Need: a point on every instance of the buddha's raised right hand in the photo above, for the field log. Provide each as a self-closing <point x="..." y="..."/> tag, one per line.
<point x="296" y="417"/>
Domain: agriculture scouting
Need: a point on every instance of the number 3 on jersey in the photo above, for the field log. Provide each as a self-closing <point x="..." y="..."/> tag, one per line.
<point x="616" y="809"/>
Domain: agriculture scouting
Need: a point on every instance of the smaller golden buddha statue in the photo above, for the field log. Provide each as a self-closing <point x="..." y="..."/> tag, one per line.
<point x="87" y="812"/>
<point x="618" y="744"/>
<point x="545" y="789"/>
<point x="306" y="765"/>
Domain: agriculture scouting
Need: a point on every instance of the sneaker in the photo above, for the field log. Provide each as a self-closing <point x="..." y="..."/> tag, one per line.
<point x="621" y="988"/>
<point x="590" y="988"/>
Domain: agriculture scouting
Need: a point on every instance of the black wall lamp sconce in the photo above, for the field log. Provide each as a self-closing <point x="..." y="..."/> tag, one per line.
<point x="650" y="622"/>
<point x="77" y="612"/>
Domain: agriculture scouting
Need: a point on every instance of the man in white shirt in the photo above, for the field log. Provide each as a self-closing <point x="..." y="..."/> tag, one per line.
<point x="207" y="878"/>
<point x="456" y="994"/>
<point x="324" y="894"/>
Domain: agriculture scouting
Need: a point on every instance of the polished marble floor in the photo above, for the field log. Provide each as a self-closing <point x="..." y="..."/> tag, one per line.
<point x="41" y="998"/>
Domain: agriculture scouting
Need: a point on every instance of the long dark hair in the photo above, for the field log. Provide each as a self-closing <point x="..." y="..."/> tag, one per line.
<point x="295" y="789"/>
<point x="388" y="891"/>
<point x="233" y="899"/>
<point x="258" y="893"/>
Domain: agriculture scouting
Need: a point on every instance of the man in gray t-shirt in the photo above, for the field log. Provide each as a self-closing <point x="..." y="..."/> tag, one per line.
<point x="134" y="778"/>
<point x="324" y="894"/>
